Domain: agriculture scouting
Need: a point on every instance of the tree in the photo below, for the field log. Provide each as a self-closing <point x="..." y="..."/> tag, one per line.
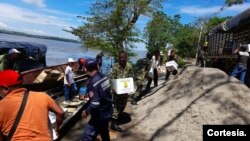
<point x="234" y="2"/>
<point x="185" y="40"/>
<point x="111" y="24"/>
<point x="158" y="32"/>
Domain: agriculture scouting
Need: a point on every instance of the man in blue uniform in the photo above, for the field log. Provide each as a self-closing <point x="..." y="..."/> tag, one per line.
<point x="99" y="105"/>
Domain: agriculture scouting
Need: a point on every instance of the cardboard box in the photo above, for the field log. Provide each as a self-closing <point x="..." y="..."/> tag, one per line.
<point x="49" y="75"/>
<point x="171" y="65"/>
<point x="124" y="86"/>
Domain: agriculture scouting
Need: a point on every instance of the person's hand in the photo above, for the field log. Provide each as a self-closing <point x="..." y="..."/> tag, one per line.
<point x="69" y="84"/>
<point x="113" y="90"/>
<point x="57" y="131"/>
<point x="84" y="114"/>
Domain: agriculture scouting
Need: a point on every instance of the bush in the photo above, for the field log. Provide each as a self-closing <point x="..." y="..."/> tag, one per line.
<point x="181" y="63"/>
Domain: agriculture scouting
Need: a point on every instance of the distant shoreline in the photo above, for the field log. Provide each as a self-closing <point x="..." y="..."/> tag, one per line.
<point x="38" y="36"/>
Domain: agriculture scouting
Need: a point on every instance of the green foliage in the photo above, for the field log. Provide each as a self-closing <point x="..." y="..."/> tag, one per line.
<point x="186" y="40"/>
<point x="163" y="29"/>
<point x="111" y="24"/>
<point x="214" y="21"/>
<point x="181" y="63"/>
<point x="234" y="2"/>
<point x="37" y="36"/>
<point x="160" y="30"/>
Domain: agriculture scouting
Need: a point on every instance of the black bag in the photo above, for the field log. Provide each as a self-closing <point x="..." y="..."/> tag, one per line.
<point x="18" y="118"/>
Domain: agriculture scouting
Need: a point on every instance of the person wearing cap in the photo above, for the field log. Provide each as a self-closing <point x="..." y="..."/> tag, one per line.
<point x="241" y="67"/>
<point x="33" y="124"/>
<point x="81" y="63"/>
<point x="69" y="87"/>
<point x="203" y="58"/>
<point x="99" y="105"/>
<point x="123" y="69"/>
<point x="7" y="61"/>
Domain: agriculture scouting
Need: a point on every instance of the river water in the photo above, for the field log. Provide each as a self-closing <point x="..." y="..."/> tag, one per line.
<point x="59" y="51"/>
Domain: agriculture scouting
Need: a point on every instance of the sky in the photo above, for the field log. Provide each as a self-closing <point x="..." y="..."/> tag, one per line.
<point x="50" y="17"/>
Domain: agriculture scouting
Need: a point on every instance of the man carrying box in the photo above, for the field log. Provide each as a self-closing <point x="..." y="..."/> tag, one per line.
<point x="123" y="69"/>
<point x="171" y="57"/>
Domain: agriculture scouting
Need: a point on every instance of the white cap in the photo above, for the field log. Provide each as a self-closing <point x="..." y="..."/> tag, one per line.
<point x="13" y="50"/>
<point x="71" y="60"/>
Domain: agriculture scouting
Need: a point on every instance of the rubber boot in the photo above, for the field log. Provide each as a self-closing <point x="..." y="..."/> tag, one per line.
<point x="134" y="101"/>
<point x="115" y="126"/>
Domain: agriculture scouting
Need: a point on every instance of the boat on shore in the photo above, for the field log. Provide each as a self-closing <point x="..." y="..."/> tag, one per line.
<point x="39" y="77"/>
<point x="31" y="64"/>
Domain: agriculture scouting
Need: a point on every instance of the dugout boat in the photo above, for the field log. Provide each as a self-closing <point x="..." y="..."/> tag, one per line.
<point x="38" y="77"/>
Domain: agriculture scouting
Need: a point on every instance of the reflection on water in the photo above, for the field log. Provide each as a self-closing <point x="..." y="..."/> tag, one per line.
<point x="59" y="51"/>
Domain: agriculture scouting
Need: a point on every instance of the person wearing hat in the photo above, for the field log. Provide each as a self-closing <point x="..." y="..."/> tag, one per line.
<point x="81" y="63"/>
<point x="69" y="87"/>
<point x="202" y="58"/>
<point x="33" y="124"/>
<point x="7" y="61"/>
<point x="240" y="68"/>
<point x="99" y="105"/>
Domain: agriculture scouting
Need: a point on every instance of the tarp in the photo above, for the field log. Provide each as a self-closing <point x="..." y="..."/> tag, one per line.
<point x="29" y="49"/>
<point x="32" y="55"/>
<point x="234" y="23"/>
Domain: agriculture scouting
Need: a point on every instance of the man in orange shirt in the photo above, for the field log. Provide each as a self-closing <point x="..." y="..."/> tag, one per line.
<point x="33" y="125"/>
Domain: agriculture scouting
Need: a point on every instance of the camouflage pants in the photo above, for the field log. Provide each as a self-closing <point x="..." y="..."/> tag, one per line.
<point x="120" y="102"/>
<point x="138" y="91"/>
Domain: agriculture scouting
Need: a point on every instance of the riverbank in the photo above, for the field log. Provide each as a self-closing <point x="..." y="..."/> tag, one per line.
<point x="38" y="36"/>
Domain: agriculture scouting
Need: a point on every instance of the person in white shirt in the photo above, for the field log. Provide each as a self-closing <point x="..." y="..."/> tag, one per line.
<point x="240" y="68"/>
<point x="69" y="87"/>
<point x="154" y="65"/>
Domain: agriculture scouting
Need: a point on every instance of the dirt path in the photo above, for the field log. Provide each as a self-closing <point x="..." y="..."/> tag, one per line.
<point x="194" y="98"/>
<point x="177" y="109"/>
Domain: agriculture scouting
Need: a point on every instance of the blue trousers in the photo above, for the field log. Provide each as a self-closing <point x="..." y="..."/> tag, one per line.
<point x="94" y="127"/>
<point x="240" y="70"/>
<point x="69" y="91"/>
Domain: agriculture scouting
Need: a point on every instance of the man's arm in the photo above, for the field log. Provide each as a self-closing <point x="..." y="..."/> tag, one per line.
<point x="94" y="101"/>
<point x="67" y="71"/>
<point x="112" y="76"/>
<point x="54" y="107"/>
<point x="236" y="50"/>
<point x="131" y="72"/>
<point x="1" y="136"/>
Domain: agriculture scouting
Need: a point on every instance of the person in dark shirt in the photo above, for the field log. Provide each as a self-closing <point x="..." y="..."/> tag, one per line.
<point x="99" y="105"/>
<point x="171" y="57"/>
<point x="99" y="61"/>
<point x="241" y="66"/>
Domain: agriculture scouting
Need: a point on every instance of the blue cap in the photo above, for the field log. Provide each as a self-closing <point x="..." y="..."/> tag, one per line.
<point x="83" y="91"/>
<point x="90" y="63"/>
